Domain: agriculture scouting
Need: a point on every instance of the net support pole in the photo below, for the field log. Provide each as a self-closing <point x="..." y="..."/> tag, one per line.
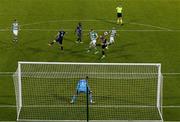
<point x="159" y="86"/>
<point x="19" y="88"/>
<point x="87" y="103"/>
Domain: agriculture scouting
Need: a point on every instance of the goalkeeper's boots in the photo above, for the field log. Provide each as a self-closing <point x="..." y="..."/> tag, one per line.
<point x="92" y="102"/>
<point x="72" y="102"/>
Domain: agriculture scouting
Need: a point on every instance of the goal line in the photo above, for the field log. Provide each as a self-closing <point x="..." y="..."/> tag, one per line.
<point x="93" y="106"/>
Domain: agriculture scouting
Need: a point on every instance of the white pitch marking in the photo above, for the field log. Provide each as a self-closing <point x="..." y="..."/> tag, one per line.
<point x="94" y="20"/>
<point x="99" y="30"/>
<point x="167" y="29"/>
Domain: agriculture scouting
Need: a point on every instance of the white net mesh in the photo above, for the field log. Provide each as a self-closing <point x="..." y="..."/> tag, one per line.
<point x="120" y="91"/>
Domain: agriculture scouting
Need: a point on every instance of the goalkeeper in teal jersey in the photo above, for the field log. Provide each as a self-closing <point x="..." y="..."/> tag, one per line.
<point x="82" y="87"/>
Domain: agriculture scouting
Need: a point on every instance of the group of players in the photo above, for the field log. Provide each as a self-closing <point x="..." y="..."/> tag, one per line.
<point x="106" y="39"/>
<point x="78" y="31"/>
<point x="93" y="37"/>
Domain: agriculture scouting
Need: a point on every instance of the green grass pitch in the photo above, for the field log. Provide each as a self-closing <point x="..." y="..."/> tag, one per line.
<point x="151" y="33"/>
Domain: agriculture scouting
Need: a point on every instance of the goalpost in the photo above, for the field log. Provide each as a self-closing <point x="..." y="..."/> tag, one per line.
<point x="121" y="92"/>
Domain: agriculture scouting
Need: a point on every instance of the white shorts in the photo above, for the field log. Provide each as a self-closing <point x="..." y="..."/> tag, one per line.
<point x="15" y="32"/>
<point x="111" y="39"/>
<point x="93" y="43"/>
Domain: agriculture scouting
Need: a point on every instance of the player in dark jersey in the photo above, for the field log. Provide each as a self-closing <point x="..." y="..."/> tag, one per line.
<point x="59" y="39"/>
<point x="78" y="32"/>
<point x="104" y="44"/>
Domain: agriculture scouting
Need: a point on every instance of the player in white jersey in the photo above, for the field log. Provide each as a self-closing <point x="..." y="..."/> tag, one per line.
<point x="112" y="35"/>
<point x="93" y="36"/>
<point x="15" y="29"/>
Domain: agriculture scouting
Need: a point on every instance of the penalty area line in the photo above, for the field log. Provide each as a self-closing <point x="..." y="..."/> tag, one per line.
<point x="86" y="30"/>
<point x="95" y="20"/>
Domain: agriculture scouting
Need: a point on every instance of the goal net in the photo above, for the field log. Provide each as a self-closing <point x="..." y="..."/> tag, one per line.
<point x="121" y="92"/>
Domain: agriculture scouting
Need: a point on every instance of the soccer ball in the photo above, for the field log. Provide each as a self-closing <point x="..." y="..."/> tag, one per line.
<point x="105" y="33"/>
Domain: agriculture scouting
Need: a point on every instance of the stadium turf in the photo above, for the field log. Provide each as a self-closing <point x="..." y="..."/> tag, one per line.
<point x="150" y="34"/>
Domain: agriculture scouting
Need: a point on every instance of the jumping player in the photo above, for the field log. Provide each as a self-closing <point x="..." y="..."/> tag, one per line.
<point x="82" y="87"/>
<point x="93" y="36"/>
<point x="112" y="35"/>
<point x="104" y="44"/>
<point x="59" y="39"/>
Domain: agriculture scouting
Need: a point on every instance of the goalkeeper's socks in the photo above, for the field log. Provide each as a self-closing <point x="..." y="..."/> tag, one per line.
<point x="72" y="101"/>
<point x="92" y="102"/>
<point x="73" y="98"/>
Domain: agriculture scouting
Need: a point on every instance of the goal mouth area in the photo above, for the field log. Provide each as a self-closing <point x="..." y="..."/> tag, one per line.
<point x="97" y="113"/>
<point x="122" y="92"/>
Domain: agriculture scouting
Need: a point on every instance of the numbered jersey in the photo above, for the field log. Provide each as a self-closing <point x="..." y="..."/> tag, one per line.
<point x="93" y="35"/>
<point x="61" y="35"/>
<point x="79" y="30"/>
<point x="15" y="26"/>
<point x="112" y="33"/>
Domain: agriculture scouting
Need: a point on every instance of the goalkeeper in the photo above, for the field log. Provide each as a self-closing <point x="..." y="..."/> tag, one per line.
<point x="82" y="87"/>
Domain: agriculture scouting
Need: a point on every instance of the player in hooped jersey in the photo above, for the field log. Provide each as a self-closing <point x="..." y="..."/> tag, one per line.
<point x="93" y="37"/>
<point x="82" y="87"/>
<point x="112" y="35"/>
<point x="15" y="30"/>
<point x="59" y="39"/>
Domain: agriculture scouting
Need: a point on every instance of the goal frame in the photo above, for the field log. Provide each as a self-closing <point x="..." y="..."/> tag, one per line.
<point x="159" y="91"/>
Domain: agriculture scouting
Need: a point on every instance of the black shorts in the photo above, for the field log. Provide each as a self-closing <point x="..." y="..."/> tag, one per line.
<point x="104" y="46"/>
<point x="119" y="14"/>
<point x="59" y="41"/>
<point x="79" y="35"/>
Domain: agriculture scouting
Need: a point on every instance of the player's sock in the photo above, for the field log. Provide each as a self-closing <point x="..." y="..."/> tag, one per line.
<point x="77" y="41"/>
<point x="62" y="48"/>
<point x="73" y="99"/>
<point x="121" y="22"/>
<point x="117" y="21"/>
<point x="90" y="97"/>
<point x="89" y="50"/>
<point x="96" y="52"/>
<point x="103" y="57"/>
<point x="103" y="53"/>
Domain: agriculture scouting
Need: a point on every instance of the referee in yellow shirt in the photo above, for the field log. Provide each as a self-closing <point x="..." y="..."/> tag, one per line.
<point x="119" y="15"/>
